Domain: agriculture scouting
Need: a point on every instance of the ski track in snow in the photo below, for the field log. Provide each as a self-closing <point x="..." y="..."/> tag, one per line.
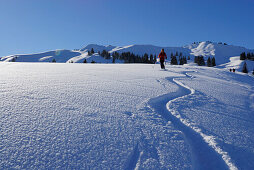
<point x="200" y="143"/>
<point x="134" y="161"/>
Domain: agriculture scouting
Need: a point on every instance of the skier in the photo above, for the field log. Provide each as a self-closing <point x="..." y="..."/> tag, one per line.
<point x="162" y="57"/>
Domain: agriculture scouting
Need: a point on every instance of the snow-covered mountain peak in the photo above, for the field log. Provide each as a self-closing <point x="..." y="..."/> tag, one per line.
<point x="97" y="47"/>
<point x="203" y="49"/>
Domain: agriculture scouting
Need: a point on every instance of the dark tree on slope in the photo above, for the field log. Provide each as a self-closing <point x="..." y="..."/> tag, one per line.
<point x="173" y="60"/>
<point x="199" y="60"/>
<point x="89" y="53"/>
<point x="182" y="60"/>
<point x="151" y="59"/>
<point x="114" y="59"/>
<point x="116" y="55"/>
<point x="154" y="58"/>
<point x="253" y="72"/>
<point x="85" y="61"/>
<point x="213" y="62"/>
<point x="202" y="61"/>
<point x="145" y="58"/>
<point x="245" y="70"/>
<point x="128" y="57"/>
<point x="209" y="63"/>
<point x="242" y="56"/>
<point x="105" y="54"/>
<point x="92" y="51"/>
<point x="250" y="56"/>
<point x="93" y="61"/>
<point x="54" y="60"/>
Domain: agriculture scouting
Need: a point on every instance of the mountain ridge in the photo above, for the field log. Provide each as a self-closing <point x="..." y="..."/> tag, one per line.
<point x="222" y="52"/>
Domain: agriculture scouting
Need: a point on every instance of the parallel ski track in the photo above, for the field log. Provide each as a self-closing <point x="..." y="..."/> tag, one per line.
<point x="206" y="154"/>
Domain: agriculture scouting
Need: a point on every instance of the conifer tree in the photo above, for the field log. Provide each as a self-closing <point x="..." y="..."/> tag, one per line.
<point x="213" y="62"/>
<point x="242" y="56"/>
<point x="145" y="58"/>
<point x="92" y="51"/>
<point x="253" y="72"/>
<point x="201" y="61"/>
<point x="248" y="56"/>
<point x="151" y="59"/>
<point x="180" y="61"/>
<point x="114" y="59"/>
<point x="154" y="58"/>
<point x="174" y="60"/>
<point x="245" y="70"/>
<point x="209" y="63"/>
<point x="185" y="60"/>
<point x="85" y="61"/>
<point x="54" y="60"/>
<point x="105" y="54"/>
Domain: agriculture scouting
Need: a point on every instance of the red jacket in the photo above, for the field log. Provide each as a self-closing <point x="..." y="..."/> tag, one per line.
<point x="162" y="56"/>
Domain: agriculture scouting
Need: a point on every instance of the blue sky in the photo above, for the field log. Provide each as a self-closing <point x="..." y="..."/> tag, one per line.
<point x="30" y="26"/>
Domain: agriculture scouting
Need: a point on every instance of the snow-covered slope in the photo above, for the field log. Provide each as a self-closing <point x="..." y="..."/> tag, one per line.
<point x="124" y="116"/>
<point x="221" y="52"/>
<point x="151" y="49"/>
<point x="137" y="49"/>
<point x="61" y="56"/>
<point x="237" y="64"/>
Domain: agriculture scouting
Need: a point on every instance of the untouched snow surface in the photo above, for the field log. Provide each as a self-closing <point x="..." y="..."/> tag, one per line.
<point x="124" y="116"/>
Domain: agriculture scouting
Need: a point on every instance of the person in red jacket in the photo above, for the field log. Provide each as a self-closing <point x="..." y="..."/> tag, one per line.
<point x="162" y="57"/>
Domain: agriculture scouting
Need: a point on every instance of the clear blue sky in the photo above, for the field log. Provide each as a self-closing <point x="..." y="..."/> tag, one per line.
<point x="29" y="26"/>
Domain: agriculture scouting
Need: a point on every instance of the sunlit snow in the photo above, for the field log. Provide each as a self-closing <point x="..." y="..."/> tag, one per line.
<point x="124" y="116"/>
